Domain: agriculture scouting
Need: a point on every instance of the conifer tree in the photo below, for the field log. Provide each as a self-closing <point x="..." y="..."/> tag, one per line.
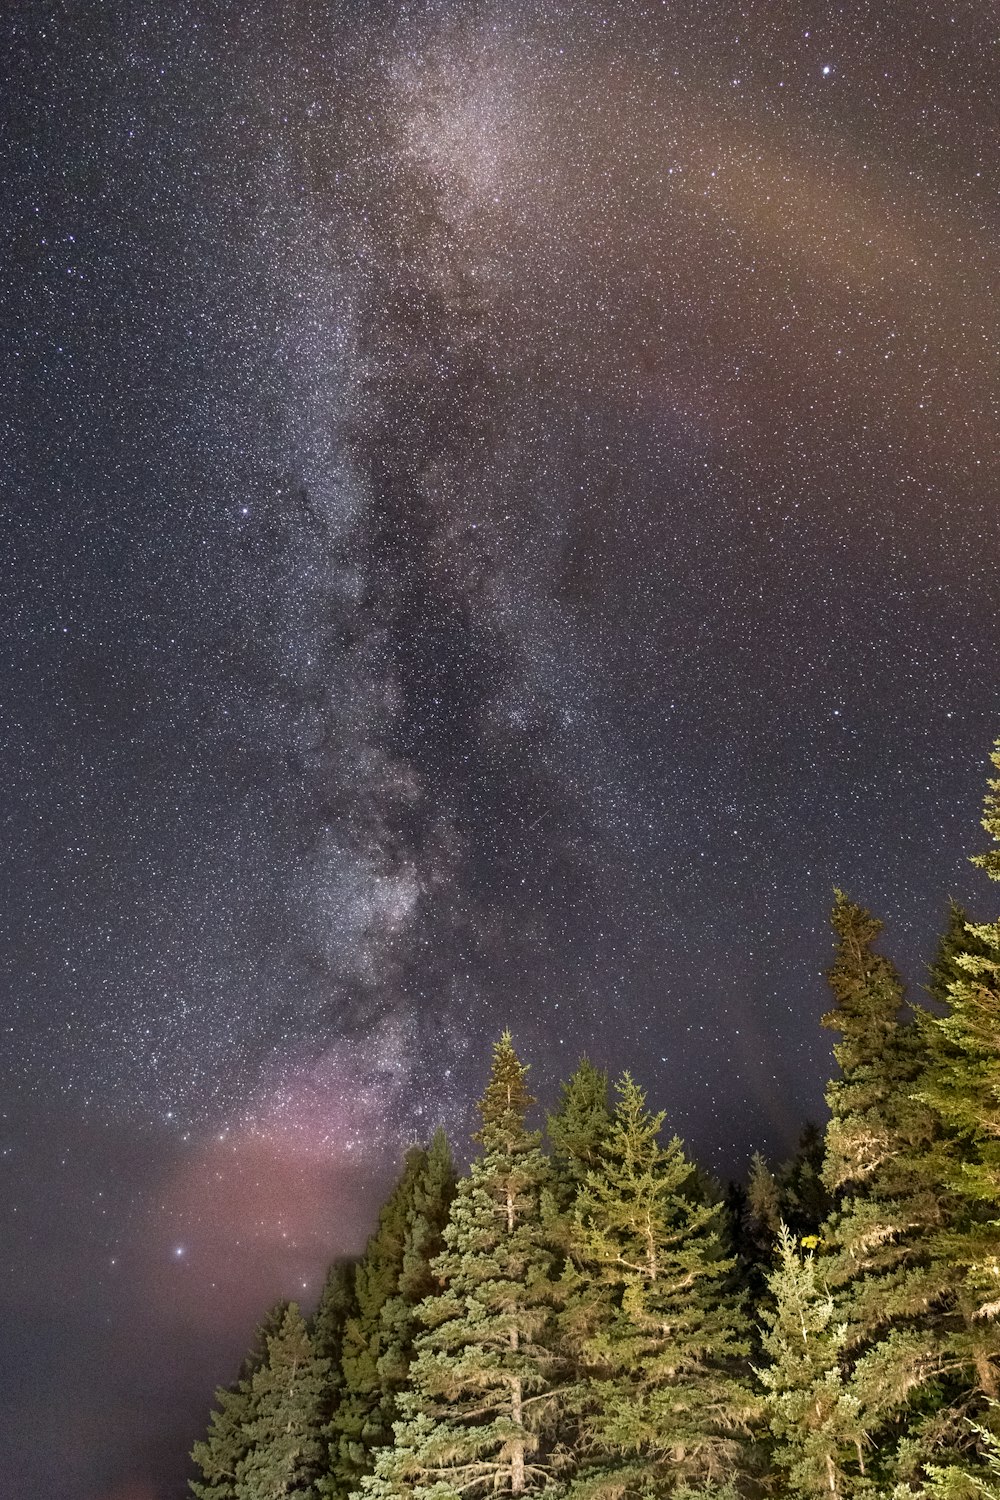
<point x="375" y="1281"/>
<point x="226" y="1443"/>
<point x="761" y="1214"/>
<point x="578" y="1129"/>
<point x="474" y="1417"/>
<point x="288" y="1390"/>
<point x="228" y="1438"/>
<point x="879" y="1258"/>
<point x="763" y="1199"/>
<point x="665" y="1407"/>
<point x="391" y="1278"/>
<point x="872" y="1114"/>
<point x="901" y="1250"/>
<point x="957" y="939"/>
<point x="814" y="1420"/>
<point x="805" y="1199"/>
<point x="336" y="1304"/>
<point x="961" y="1083"/>
<point x="423" y="1240"/>
<point x="990" y="861"/>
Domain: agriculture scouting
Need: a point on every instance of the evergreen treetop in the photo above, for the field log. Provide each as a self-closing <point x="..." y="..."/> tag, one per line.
<point x="480" y="1395"/>
<point x="228" y="1439"/>
<point x="376" y="1337"/>
<point x="285" y="1453"/>
<point x="506" y="1101"/>
<point x="666" y="1405"/>
<point x="816" y="1422"/>
<point x="990" y="861"/>
<point x="578" y="1129"/>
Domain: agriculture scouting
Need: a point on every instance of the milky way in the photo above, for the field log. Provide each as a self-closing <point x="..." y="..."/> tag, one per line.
<point x="503" y="520"/>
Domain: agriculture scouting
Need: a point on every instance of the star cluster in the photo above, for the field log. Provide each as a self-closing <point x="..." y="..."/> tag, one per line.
<point x="503" y="518"/>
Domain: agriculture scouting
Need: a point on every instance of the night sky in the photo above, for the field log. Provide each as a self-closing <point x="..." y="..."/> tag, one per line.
<point x="500" y="517"/>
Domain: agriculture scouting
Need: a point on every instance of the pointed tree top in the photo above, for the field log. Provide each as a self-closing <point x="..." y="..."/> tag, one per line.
<point x="506" y="1100"/>
<point x="583" y="1095"/>
<point x="990" y="861"/>
<point x="852" y="923"/>
<point x="865" y="984"/>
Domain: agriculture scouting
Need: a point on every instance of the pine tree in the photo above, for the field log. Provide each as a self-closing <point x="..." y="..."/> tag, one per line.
<point x="805" y="1200"/>
<point x="375" y="1281"/>
<point x="391" y="1278"/>
<point x="957" y="939"/>
<point x="990" y="861"/>
<point x="762" y="1211"/>
<point x="336" y="1304"/>
<point x="879" y="1257"/>
<point x="474" y="1418"/>
<point x="288" y="1391"/>
<point x="665" y="1407"/>
<point x="879" y="1057"/>
<point x="228" y="1439"/>
<point x="763" y="1198"/>
<point x="814" y="1420"/>
<point x="961" y="1084"/>
<point x="578" y="1129"/>
<point x="423" y="1240"/>
<point x="226" y="1444"/>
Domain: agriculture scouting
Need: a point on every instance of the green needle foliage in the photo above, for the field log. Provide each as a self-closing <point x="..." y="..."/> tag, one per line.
<point x="578" y="1130"/>
<point x="961" y="1084"/>
<point x="377" y="1336"/>
<point x="664" y="1404"/>
<point x="990" y="861"/>
<point x="572" y="1326"/>
<point x="288" y="1392"/>
<point x="336" y="1305"/>
<point x="815" y="1422"/>
<point x="963" y="1481"/>
<point x="483" y="1381"/>
<point x="879" y="1256"/>
<point x="228" y="1439"/>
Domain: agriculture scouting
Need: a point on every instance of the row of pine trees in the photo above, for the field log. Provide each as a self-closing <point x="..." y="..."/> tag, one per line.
<point x="599" y="1321"/>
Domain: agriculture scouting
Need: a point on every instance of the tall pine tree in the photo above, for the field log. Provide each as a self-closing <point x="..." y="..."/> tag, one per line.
<point x="377" y="1336"/>
<point x="664" y="1404"/>
<point x="474" y="1418"/>
<point x="815" y="1423"/>
<point x="578" y="1129"/>
<point x="228" y="1439"/>
<point x="879" y="1258"/>
<point x="286" y="1449"/>
<point x="961" y="1084"/>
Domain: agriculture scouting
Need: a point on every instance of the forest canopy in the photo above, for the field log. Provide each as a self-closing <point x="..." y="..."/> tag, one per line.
<point x="583" y="1313"/>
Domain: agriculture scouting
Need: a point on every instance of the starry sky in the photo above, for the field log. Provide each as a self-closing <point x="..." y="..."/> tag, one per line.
<point x="500" y="518"/>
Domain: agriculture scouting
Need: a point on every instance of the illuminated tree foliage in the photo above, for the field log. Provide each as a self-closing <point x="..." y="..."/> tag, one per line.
<point x="475" y="1417"/>
<point x="961" y="1085"/>
<point x="575" y="1325"/>
<point x="665" y="1406"/>
<point x="577" y="1130"/>
<point x="376" y="1337"/>
<point x="218" y="1455"/>
<point x="879" y="1252"/>
<point x="815" y="1422"/>
<point x="285" y="1454"/>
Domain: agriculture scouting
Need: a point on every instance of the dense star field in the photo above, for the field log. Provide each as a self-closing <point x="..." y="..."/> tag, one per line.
<point x="501" y="519"/>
